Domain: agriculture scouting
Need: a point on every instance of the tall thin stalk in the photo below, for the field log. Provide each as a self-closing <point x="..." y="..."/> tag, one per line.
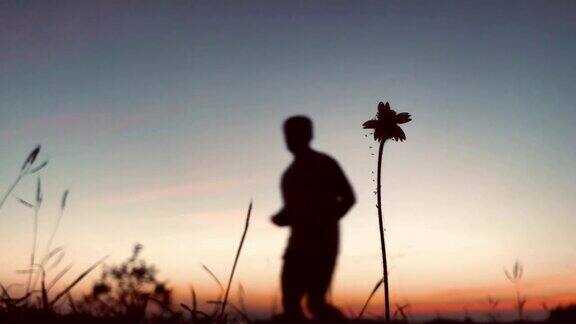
<point x="381" y="226"/>
<point x="33" y="253"/>
<point x="34" y="234"/>
<point x="236" y="261"/>
<point x="57" y="224"/>
<point x="374" y="290"/>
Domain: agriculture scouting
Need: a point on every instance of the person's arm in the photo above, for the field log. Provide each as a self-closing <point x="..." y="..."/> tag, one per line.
<point x="345" y="198"/>
<point x="281" y="218"/>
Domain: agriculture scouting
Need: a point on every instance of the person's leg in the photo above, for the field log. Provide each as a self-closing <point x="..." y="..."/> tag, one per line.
<point x="322" y="270"/>
<point x="292" y="289"/>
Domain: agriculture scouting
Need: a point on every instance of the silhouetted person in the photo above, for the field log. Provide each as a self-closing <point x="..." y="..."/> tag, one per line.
<point x="316" y="195"/>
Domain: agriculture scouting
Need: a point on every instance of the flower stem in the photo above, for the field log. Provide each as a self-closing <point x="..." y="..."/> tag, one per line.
<point x="381" y="225"/>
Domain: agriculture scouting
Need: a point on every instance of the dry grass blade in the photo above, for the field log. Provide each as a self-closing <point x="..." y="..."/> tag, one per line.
<point x="78" y="279"/>
<point x="43" y="289"/>
<point x="508" y="275"/>
<point x="242" y="298"/>
<point x="51" y="254"/>
<point x="400" y="310"/>
<point x="57" y="260"/>
<point x="351" y="312"/>
<point x="234" y="307"/>
<point x="236" y="259"/>
<point x="216" y="310"/>
<point x="25" y="271"/>
<point x="8" y="300"/>
<point x="194" y="305"/>
<point x="194" y="299"/>
<point x="376" y="287"/>
<point x="492" y="301"/>
<point x="194" y="313"/>
<point x="39" y="198"/>
<point x="59" y="276"/>
<point x="64" y="199"/>
<point x="24" y="202"/>
<point x="72" y="304"/>
<point x="214" y="277"/>
<point x="5" y="294"/>
<point x="60" y="215"/>
<point x="59" y="253"/>
<point x="39" y="195"/>
<point x="186" y="307"/>
<point x="38" y="168"/>
<point x="518" y="270"/>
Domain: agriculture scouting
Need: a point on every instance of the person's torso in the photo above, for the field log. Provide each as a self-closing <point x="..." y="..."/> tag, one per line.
<point x="309" y="193"/>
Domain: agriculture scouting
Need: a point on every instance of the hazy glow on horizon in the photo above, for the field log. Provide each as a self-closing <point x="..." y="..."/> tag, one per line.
<point x="165" y="121"/>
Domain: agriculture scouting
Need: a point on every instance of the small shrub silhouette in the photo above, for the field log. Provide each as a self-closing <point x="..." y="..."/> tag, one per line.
<point x="128" y="289"/>
<point x="563" y="314"/>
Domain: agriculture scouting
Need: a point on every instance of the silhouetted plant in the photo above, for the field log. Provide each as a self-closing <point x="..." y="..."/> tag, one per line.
<point x="376" y="287"/>
<point x="514" y="278"/>
<point x="236" y="260"/>
<point x="216" y="316"/>
<point x="51" y="258"/>
<point x="219" y="314"/>
<point x="44" y="302"/>
<point x="218" y="301"/>
<point x="52" y="235"/>
<point x="563" y="314"/>
<point x="401" y="310"/>
<point x="493" y="305"/>
<point x="59" y="219"/>
<point x="197" y="316"/>
<point x="36" y="207"/>
<point x="26" y="169"/>
<point x="201" y="317"/>
<point x="385" y="127"/>
<point x="125" y="290"/>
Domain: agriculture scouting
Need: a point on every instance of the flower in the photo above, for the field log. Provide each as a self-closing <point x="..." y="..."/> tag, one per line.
<point x="385" y="124"/>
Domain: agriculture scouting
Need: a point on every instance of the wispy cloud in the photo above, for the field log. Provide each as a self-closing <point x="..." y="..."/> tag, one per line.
<point x="186" y="189"/>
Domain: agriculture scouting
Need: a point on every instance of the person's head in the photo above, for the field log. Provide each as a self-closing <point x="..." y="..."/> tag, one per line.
<point x="298" y="134"/>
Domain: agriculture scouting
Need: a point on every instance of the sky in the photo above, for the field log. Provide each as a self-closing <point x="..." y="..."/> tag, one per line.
<point x="164" y="120"/>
